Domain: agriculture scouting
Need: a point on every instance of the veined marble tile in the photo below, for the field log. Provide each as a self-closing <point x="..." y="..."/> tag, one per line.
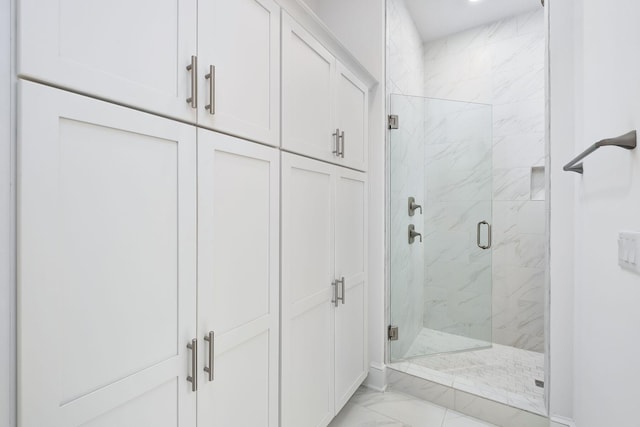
<point x="357" y="416"/>
<point x="532" y="22"/>
<point x="518" y="151"/>
<point x="511" y="184"/>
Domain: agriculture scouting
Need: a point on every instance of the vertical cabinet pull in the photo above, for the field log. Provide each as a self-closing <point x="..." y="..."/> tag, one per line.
<point x="336" y="143"/>
<point x="210" y="338"/>
<point x="193" y="69"/>
<point x="212" y="90"/>
<point x="334" y="299"/>
<point x="193" y="378"/>
<point x="343" y="291"/>
<point x="341" y="145"/>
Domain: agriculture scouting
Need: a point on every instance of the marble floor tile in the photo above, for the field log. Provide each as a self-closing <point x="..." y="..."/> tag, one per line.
<point x="368" y="408"/>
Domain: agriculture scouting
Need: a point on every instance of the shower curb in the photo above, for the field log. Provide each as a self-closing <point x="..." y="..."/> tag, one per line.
<point x="466" y="403"/>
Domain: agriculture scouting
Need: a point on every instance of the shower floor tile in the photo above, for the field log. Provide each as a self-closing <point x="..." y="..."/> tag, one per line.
<point x="500" y="373"/>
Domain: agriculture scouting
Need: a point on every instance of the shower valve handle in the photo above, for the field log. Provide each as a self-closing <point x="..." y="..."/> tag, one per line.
<point x="413" y="206"/>
<point x="413" y="234"/>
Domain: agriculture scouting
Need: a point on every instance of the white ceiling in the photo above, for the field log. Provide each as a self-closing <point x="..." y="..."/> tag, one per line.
<point x="439" y="18"/>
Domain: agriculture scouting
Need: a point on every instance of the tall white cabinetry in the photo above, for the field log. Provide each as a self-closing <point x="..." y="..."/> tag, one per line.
<point x="324" y="106"/>
<point x="111" y="208"/>
<point x="324" y="355"/>
<point x="149" y="220"/>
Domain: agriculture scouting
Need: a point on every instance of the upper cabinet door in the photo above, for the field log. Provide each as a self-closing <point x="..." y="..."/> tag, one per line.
<point x="352" y="119"/>
<point x="133" y="52"/>
<point x="241" y="39"/>
<point x="351" y="270"/>
<point x="238" y="281"/>
<point x="308" y="80"/>
<point x="107" y="256"/>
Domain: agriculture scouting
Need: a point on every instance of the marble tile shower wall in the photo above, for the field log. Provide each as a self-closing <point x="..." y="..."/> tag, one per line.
<point x="503" y="64"/>
<point x="405" y="75"/>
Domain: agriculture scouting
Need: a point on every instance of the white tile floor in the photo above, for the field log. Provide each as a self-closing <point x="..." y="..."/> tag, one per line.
<point x="368" y="408"/>
<point x="500" y="373"/>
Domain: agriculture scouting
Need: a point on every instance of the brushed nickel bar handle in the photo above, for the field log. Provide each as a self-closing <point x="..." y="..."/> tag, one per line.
<point x="212" y="90"/>
<point x="193" y="378"/>
<point x="336" y="143"/>
<point x="334" y="299"/>
<point x="341" y="145"/>
<point x="343" y="290"/>
<point x="193" y="68"/>
<point x="210" y="338"/>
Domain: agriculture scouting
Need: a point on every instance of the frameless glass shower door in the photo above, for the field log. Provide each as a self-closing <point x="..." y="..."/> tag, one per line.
<point x="440" y="226"/>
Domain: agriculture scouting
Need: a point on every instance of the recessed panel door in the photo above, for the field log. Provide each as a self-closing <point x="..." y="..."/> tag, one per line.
<point x="240" y="96"/>
<point x="133" y="52"/>
<point x="351" y="272"/>
<point x="307" y="292"/>
<point x="308" y="80"/>
<point x="352" y="115"/>
<point x="238" y="281"/>
<point x="106" y="264"/>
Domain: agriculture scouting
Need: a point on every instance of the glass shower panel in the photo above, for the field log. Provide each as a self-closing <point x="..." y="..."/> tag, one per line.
<point x="441" y="157"/>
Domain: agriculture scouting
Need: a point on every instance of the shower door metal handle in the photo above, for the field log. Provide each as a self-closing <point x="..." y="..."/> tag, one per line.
<point x="210" y="338"/>
<point x="480" y="245"/>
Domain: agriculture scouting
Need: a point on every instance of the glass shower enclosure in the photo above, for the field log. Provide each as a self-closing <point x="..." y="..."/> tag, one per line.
<point x="440" y="226"/>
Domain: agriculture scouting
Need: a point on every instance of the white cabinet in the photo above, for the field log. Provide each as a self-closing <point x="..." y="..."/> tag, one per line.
<point x="137" y="53"/>
<point x="119" y="212"/>
<point x="324" y="106"/>
<point x="323" y="289"/>
<point x="352" y="119"/>
<point x="106" y="263"/>
<point x="238" y="281"/>
<point x="134" y="52"/>
<point x="239" y="46"/>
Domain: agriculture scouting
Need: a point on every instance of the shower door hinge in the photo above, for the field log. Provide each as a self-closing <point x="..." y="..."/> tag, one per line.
<point x="394" y="121"/>
<point x="392" y="333"/>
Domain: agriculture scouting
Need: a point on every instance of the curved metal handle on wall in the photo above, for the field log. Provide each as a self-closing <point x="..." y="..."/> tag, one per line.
<point x="480" y="245"/>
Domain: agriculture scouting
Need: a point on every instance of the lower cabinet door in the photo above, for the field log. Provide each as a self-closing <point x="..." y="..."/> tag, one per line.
<point x="106" y="264"/>
<point x="238" y="282"/>
<point x="351" y="365"/>
<point x="307" y="308"/>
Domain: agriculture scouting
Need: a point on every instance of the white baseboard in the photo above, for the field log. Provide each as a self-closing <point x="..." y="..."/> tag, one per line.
<point x="562" y="420"/>
<point x="377" y="378"/>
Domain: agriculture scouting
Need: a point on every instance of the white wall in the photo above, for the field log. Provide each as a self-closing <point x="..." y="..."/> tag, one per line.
<point x="607" y="298"/>
<point x="561" y="202"/>
<point x="7" y="290"/>
<point x="359" y="24"/>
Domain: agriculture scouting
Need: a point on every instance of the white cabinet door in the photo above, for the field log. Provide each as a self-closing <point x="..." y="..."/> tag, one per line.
<point x="352" y="118"/>
<point x="134" y="52"/>
<point x="351" y="267"/>
<point x="238" y="281"/>
<point x="106" y="264"/>
<point x="307" y="310"/>
<point x="241" y="38"/>
<point x="308" y="80"/>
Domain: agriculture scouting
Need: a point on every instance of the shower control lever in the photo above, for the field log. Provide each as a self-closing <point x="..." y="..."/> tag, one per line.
<point x="413" y="206"/>
<point x="413" y="234"/>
